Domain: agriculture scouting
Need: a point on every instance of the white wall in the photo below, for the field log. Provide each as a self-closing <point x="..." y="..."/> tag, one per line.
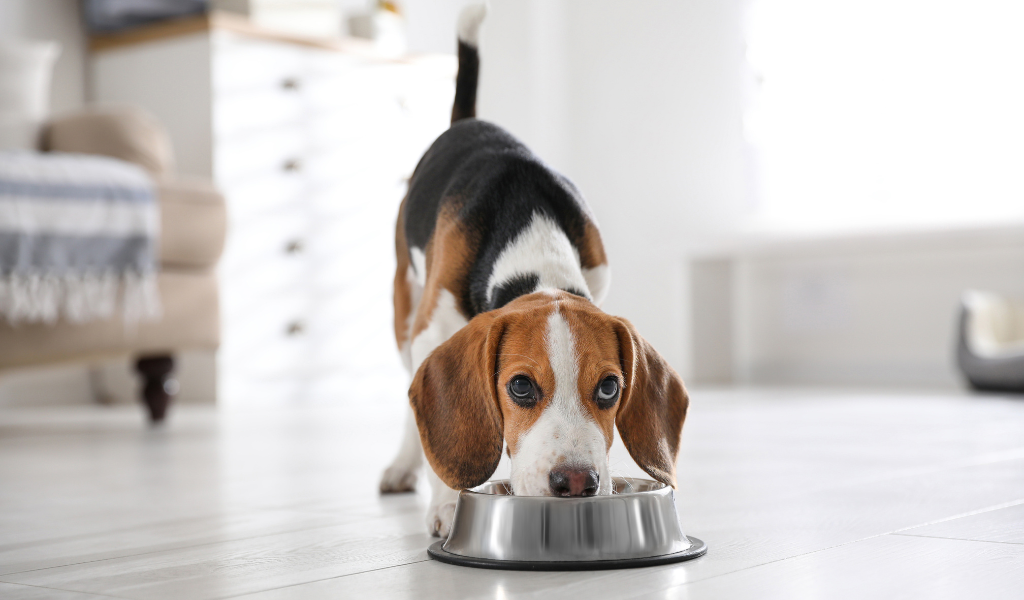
<point x="58" y="20"/>
<point x="640" y="104"/>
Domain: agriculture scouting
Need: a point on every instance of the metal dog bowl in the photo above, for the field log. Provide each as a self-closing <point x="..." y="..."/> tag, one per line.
<point x="636" y="526"/>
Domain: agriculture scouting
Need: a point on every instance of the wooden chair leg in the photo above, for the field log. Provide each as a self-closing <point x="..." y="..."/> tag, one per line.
<point x="158" y="385"/>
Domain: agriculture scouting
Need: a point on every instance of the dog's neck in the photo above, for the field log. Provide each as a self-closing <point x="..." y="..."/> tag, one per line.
<point x="541" y="257"/>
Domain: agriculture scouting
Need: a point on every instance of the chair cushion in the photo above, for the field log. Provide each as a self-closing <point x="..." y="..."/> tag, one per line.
<point x="191" y="320"/>
<point x="193" y="223"/>
<point x="123" y="132"/>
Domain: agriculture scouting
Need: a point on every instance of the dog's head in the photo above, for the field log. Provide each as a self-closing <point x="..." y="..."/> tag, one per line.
<point x="550" y="375"/>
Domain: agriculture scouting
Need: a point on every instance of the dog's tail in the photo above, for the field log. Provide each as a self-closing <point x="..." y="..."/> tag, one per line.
<point x="469" y="61"/>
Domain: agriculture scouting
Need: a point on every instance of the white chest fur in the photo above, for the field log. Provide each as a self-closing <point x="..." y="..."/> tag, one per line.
<point x="542" y="249"/>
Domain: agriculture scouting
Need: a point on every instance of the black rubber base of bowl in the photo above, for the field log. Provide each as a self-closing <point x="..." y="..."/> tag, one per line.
<point x="697" y="548"/>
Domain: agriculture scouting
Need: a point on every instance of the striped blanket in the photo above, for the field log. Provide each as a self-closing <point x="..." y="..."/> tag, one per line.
<point x="78" y="239"/>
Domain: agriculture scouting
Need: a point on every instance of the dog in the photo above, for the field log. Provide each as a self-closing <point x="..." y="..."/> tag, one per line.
<point x="500" y="274"/>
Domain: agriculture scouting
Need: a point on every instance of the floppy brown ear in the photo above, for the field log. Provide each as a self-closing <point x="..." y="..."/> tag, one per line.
<point x="652" y="408"/>
<point x="454" y="398"/>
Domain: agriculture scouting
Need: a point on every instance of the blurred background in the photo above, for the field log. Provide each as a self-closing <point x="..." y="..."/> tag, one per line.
<point x="813" y="209"/>
<point x="791" y="192"/>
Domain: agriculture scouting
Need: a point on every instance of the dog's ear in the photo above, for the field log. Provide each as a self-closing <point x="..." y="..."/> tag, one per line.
<point x="652" y="408"/>
<point x="455" y="401"/>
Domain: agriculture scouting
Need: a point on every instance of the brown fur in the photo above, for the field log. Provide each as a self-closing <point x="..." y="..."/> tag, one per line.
<point x="455" y="401"/>
<point x="448" y="255"/>
<point x="592" y="250"/>
<point x="402" y="295"/>
<point x="652" y="407"/>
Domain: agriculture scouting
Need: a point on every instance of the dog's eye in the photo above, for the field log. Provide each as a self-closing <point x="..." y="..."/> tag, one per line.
<point x="522" y="391"/>
<point x="607" y="392"/>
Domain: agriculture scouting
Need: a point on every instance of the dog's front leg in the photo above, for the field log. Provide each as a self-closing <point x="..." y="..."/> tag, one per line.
<point x="401" y="475"/>
<point x="442" y="506"/>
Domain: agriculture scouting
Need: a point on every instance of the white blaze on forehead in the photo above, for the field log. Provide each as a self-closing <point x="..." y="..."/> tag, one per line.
<point x="544" y="250"/>
<point x="565" y="364"/>
<point x="564" y="434"/>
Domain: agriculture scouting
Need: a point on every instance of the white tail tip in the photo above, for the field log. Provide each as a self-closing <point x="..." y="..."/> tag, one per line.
<point x="469" y="23"/>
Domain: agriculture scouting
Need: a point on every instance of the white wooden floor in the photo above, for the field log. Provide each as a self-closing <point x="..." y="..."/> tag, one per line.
<point x="799" y="494"/>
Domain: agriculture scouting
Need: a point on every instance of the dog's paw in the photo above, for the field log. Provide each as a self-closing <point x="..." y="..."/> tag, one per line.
<point x="398" y="479"/>
<point x="439" y="519"/>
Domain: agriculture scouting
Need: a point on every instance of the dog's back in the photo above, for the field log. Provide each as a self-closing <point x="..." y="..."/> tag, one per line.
<point x="508" y="224"/>
<point x="480" y="176"/>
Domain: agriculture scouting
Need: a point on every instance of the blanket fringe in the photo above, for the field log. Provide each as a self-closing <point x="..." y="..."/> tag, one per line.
<point x="79" y="297"/>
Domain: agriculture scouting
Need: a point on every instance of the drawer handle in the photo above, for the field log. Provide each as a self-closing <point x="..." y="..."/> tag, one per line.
<point x="290" y="83"/>
<point x="292" y="165"/>
<point x="295" y="328"/>
<point x="294" y="247"/>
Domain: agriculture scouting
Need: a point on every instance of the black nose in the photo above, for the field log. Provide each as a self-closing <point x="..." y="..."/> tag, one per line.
<point x="573" y="482"/>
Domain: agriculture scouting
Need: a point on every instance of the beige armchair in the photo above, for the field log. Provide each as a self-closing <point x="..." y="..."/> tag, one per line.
<point x="193" y="226"/>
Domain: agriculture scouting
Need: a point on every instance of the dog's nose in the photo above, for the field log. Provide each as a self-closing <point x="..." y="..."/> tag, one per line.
<point x="573" y="482"/>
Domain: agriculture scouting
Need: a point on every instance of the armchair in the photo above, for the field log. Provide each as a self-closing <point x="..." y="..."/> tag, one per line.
<point x="193" y="226"/>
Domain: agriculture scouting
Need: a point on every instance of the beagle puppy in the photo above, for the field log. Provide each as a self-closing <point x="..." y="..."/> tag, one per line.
<point x="501" y="271"/>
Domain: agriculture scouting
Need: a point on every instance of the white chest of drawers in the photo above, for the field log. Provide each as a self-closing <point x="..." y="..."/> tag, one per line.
<point x="312" y="147"/>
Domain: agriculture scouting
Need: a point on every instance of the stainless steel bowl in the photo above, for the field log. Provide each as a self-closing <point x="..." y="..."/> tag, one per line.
<point x="635" y="526"/>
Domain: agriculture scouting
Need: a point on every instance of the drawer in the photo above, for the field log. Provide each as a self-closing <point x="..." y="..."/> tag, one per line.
<point x="356" y="168"/>
<point x="334" y="131"/>
<point x="352" y="310"/>
<point x="262" y="194"/>
<point x="267" y="337"/>
<point x="339" y="208"/>
<point x="278" y="344"/>
<point x="337" y="94"/>
<point x="254" y="110"/>
<point x="246" y="288"/>
<point x="352" y="236"/>
<point x="355" y="91"/>
<point x="244" y="64"/>
<point x="353" y="336"/>
<point x="239" y="157"/>
<point x="334" y="200"/>
<point x="361" y="277"/>
<point x="327" y="63"/>
<point x="277" y="233"/>
<point x="354" y="343"/>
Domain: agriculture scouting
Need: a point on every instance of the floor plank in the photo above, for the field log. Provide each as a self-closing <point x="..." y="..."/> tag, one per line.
<point x="223" y="569"/>
<point x="10" y="591"/>
<point x="888" y="566"/>
<point x="157" y="537"/>
<point x="1005" y="525"/>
